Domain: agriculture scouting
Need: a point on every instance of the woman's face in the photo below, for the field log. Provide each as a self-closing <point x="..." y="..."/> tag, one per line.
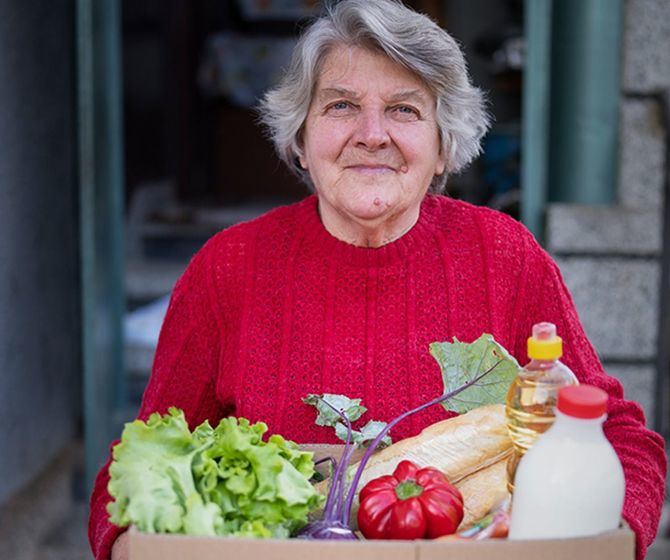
<point x="371" y="145"/>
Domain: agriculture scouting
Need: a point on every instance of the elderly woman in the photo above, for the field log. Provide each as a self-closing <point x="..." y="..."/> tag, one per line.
<point x="344" y="291"/>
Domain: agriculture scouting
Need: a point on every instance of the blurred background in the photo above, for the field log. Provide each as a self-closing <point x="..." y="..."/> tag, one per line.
<point x="128" y="136"/>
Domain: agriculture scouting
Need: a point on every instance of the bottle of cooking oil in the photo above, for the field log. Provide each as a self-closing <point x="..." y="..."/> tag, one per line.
<point x="532" y="397"/>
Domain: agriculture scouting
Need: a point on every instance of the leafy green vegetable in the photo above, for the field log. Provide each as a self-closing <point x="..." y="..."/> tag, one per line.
<point x="364" y="436"/>
<point x="327" y="414"/>
<point x="221" y="481"/>
<point x="462" y="362"/>
<point x="151" y="474"/>
<point x="200" y="518"/>
<point x="328" y="406"/>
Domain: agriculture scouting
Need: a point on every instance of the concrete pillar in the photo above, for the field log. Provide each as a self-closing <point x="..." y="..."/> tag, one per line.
<point x="39" y="318"/>
<point x="585" y="76"/>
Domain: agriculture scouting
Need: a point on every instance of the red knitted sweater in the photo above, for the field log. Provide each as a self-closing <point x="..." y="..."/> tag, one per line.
<point x="276" y="308"/>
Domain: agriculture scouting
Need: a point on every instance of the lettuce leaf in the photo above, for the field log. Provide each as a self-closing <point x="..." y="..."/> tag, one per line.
<point x="202" y="519"/>
<point x="150" y="476"/>
<point x="256" y="480"/>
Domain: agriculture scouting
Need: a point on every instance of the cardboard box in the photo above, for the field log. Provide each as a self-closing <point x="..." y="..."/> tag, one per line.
<point x="614" y="545"/>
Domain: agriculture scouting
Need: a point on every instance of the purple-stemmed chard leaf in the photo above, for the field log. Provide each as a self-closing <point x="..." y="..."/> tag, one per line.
<point x="330" y="405"/>
<point x="462" y="362"/>
<point x="364" y="436"/>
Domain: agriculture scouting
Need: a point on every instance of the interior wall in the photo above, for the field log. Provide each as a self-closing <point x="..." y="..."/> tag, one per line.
<point x="39" y="285"/>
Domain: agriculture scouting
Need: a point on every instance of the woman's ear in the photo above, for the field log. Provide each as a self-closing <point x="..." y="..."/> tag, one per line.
<point x="441" y="163"/>
<point x="300" y="163"/>
<point x="445" y="159"/>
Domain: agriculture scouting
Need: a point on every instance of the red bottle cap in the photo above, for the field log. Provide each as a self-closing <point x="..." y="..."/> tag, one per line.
<point x="582" y="401"/>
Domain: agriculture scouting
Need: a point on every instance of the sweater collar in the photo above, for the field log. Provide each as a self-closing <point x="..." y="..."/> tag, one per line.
<point x="406" y="246"/>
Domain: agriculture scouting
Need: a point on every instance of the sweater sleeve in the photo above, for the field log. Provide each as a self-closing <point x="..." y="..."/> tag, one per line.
<point x="640" y="450"/>
<point x="183" y="375"/>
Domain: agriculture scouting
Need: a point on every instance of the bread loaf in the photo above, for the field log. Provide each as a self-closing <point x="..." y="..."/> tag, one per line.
<point x="482" y="491"/>
<point x="458" y="447"/>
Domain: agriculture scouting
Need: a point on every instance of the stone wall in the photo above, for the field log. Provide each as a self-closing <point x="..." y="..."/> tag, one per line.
<point x="39" y="279"/>
<point x="611" y="256"/>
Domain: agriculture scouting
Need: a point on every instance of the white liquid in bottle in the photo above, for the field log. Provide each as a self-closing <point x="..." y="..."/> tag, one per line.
<point x="570" y="483"/>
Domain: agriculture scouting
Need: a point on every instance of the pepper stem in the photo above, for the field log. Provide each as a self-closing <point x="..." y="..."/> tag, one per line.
<point x="408" y="489"/>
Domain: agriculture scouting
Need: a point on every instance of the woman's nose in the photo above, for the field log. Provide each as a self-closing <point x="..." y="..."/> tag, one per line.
<point x="371" y="130"/>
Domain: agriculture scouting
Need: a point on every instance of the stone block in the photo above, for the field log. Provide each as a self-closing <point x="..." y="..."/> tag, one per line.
<point x="646" y="46"/>
<point x="618" y="303"/>
<point x="573" y="228"/>
<point x="641" y="154"/>
<point x="639" y="384"/>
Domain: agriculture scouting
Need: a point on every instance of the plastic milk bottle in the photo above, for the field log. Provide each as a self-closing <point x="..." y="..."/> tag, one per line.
<point x="570" y="483"/>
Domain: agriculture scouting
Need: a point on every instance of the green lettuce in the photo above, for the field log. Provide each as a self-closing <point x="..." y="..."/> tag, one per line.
<point x="214" y="481"/>
<point x="150" y="475"/>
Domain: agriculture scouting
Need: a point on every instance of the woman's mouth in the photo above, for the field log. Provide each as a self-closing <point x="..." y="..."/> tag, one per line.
<point x="371" y="169"/>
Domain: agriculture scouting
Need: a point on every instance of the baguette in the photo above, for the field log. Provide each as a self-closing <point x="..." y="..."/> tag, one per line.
<point x="458" y="447"/>
<point x="482" y="491"/>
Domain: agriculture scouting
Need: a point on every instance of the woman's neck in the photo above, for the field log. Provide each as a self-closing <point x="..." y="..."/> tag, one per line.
<point x="371" y="234"/>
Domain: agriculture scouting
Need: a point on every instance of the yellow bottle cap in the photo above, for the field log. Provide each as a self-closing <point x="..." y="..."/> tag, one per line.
<point x="545" y="344"/>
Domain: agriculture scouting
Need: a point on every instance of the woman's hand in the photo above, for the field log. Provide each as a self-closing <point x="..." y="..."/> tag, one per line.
<point x="120" y="547"/>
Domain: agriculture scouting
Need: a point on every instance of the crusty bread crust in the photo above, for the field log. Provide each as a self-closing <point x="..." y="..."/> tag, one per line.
<point x="483" y="490"/>
<point x="458" y="447"/>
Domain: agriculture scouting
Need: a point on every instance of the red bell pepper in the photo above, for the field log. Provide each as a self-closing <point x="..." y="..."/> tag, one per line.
<point x="412" y="503"/>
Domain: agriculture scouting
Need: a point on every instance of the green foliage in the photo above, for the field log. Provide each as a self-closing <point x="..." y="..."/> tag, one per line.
<point x="365" y="435"/>
<point x="353" y="410"/>
<point x="328" y="415"/>
<point x="462" y="362"/>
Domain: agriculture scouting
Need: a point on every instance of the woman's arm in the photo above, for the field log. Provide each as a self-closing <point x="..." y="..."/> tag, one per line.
<point x="640" y="450"/>
<point x="183" y="375"/>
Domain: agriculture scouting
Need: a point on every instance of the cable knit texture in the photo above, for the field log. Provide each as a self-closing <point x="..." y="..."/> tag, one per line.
<point x="276" y="308"/>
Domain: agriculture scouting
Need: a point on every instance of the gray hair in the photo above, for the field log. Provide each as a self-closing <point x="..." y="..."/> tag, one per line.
<point x="406" y="37"/>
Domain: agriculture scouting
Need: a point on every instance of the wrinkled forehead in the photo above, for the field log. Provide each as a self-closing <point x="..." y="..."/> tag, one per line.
<point x="346" y="70"/>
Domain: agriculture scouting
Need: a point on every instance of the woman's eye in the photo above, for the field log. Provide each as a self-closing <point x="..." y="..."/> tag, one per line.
<point x="405" y="111"/>
<point x="339" y="106"/>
